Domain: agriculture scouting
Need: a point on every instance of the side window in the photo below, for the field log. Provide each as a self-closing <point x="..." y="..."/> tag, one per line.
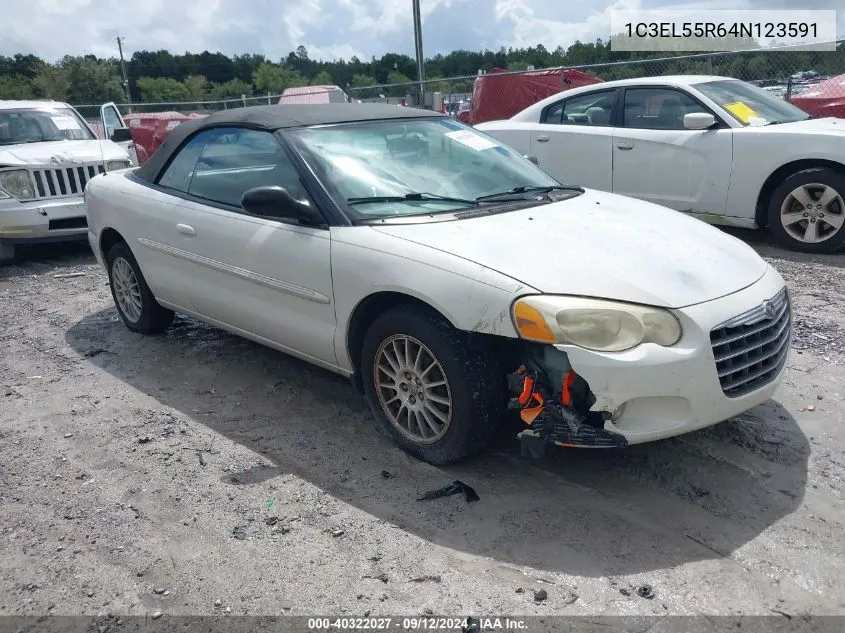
<point x="112" y="120"/>
<point x="658" y="108"/>
<point x="235" y="160"/>
<point x="594" y="108"/>
<point x="181" y="168"/>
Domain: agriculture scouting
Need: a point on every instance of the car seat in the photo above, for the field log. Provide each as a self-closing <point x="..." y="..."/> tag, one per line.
<point x="598" y="116"/>
<point x="671" y="113"/>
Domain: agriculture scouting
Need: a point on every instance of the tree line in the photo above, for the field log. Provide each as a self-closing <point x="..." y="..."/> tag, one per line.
<point x="161" y="76"/>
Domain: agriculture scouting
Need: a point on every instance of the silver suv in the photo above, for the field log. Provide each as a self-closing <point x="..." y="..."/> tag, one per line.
<point x="48" y="153"/>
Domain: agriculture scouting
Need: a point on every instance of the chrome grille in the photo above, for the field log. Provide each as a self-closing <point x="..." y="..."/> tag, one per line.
<point x="61" y="182"/>
<point x="751" y="349"/>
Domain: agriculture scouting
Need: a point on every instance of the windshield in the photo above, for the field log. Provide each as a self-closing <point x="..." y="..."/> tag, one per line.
<point x="749" y="104"/>
<point x="37" y="125"/>
<point x="393" y="158"/>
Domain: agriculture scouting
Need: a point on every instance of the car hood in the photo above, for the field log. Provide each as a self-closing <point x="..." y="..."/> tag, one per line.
<point x="41" y="154"/>
<point x="827" y="125"/>
<point x="600" y="245"/>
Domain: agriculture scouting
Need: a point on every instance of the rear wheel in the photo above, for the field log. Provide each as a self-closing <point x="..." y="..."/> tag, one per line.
<point x="807" y="211"/>
<point x="7" y="253"/>
<point x="136" y="305"/>
<point x="434" y="395"/>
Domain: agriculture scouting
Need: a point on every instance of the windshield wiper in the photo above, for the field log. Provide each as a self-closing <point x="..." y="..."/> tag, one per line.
<point x="522" y="189"/>
<point x="414" y="196"/>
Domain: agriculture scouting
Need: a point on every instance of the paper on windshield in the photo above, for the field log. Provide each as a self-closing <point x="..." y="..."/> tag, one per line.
<point x="471" y="140"/>
<point x="743" y="112"/>
<point x="66" y="123"/>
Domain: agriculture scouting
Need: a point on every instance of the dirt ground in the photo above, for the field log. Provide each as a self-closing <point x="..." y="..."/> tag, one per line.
<point x="198" y="473"/>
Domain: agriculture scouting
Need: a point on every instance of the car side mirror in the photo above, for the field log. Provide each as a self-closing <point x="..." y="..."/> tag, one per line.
<point x="699" y="121"/>
<point x="277" y="203"/>
<point x="532" y="159"/>
<point x="121" y="135"/>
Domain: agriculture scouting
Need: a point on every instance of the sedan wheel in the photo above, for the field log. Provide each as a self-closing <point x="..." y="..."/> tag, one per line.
<point x="812" y="213"/>
<point x="437" y="393"/>
<point x="127" y="290"/>
<point x="807" y="211"/>
<point x="136" y="305"/>
<point x="413" y="389"/>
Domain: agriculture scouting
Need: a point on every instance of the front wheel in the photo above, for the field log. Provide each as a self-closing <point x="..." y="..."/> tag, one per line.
<point x="136" y="305"/>
<point x="807" y="211"/>
<point x="434" y="395"/>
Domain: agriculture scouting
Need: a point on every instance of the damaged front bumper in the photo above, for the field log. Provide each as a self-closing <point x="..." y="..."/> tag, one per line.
<point x="650" y="392"/>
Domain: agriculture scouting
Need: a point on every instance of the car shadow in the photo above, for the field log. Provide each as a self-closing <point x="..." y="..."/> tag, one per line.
<point x="591" y="513"/>
<point x="36" y="259"/>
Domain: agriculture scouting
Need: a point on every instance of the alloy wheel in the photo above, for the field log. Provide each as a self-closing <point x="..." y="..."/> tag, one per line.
<point x="812" y="213"/>
<point x="413" y="389"/>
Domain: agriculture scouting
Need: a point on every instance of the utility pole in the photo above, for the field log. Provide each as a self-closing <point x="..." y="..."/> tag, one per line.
<point x="123" y="70"/>
<point x="419" y="49"/>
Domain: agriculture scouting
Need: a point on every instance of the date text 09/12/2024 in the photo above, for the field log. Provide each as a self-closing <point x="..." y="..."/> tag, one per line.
<point x="687" y="30"/>
<point x="464" y="625"/>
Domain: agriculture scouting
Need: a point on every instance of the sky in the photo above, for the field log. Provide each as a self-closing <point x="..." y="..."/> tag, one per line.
<point x="329" y="29"/>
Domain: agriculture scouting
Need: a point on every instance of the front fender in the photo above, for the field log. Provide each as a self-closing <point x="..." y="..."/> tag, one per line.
<point x="471" y="297"/>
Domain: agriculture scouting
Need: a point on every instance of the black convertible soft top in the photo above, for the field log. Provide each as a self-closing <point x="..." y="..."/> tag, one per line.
<point x="276" y="117"/>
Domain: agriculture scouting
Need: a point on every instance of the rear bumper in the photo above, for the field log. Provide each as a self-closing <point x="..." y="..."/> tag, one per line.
<point x="53" y="221"/>
<point x="657" y="392"/>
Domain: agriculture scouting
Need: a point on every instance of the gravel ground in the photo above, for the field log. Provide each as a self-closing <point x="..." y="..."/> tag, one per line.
<point x="198" y="473"/>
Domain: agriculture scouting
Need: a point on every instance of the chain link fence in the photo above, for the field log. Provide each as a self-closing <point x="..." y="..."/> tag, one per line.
<point x="813" y="80"/>
<point x="91" y="112"/>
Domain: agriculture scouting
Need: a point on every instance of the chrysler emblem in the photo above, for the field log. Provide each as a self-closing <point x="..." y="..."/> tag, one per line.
<point x="768" y="310"/>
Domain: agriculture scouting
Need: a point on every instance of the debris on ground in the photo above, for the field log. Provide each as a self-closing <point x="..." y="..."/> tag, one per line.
<point x="645" y="591"/>
<point x="386" y="475"/>
<point x="427" y="578"/>
<point x="452" y="489"/>
<point x="540" y="595"/>
<point x="382" y="577"/>
<point x="240" y="533"/>
<point x="68" y="275"/>
<point x="271" y="520"/>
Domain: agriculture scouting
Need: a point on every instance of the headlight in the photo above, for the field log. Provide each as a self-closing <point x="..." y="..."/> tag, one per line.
<point x="16" y="183"/>
<point x="594" y="324"/>
<point x="114" y="165"/>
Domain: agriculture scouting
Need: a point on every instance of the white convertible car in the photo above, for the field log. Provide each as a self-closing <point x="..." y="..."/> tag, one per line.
<point x="717" y="148"/>
<point x="446" y="274"/>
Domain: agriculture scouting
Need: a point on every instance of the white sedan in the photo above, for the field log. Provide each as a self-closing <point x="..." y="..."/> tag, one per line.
<point x="717" y="148"/>
<point x="444" y="273"/>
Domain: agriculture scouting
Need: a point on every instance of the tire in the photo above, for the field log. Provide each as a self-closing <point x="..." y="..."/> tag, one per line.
<point x="799" y="199"/>
<point x="7" y="253"/>
<point x="475" y="385"/>
<point x="150" y="317"/>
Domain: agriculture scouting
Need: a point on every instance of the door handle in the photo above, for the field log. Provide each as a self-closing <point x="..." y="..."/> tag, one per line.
<point x="624" y="145"/>
<point x="187" y="231"/>
<point x="542" y="139"/>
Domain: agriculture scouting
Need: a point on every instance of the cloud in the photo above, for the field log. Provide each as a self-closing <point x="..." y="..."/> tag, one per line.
<point x="327" y="28"/>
